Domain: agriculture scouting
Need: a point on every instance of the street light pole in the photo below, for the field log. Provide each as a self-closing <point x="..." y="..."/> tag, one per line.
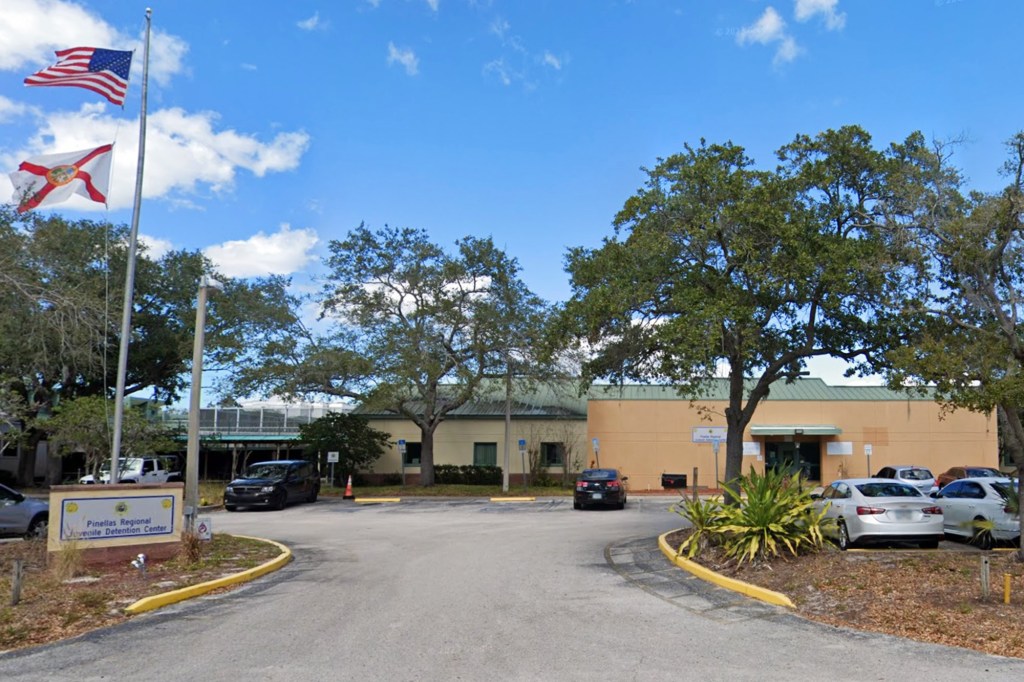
<point x="192" y="453"/>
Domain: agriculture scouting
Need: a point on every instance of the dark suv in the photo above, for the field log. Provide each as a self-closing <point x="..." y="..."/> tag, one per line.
<point x="273" y="484"/>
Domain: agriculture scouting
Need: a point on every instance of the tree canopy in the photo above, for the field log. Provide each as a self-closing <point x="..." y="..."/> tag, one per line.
<point x="720" y="268"/>
<point x="357" y="443"/>
<point x="61" y="292"/>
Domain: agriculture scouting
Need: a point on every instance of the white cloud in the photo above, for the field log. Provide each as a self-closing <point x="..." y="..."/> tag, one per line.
<point x="434" y="4"/>
<point x="313" y="23"/>
<point x="192" y="153"/>
<point x="770" y="28"/>
<point x="281" y="253"/>
<point x="500" y="70"/>
<point x="30" y="31"/>
<point x="404" y="56"/>
<point x="10" y="110"/>
<point x="552" y="61"/>
<point x="788" y="51"/>
<point x="807" y="9"/>
<point x="155" y="247"/>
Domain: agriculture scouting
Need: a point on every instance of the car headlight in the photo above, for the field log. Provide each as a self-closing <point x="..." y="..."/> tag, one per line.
<point x="267" y="489"/>
<point x="229" y="489"/>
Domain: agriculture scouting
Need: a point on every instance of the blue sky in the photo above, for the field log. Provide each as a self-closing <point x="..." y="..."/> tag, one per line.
<point x="275" y="127"/>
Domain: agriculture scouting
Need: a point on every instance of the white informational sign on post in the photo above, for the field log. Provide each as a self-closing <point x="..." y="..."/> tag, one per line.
<point x="332" y="457"/>
<point x="204" y="528"/>
<point x="708" y="434"/>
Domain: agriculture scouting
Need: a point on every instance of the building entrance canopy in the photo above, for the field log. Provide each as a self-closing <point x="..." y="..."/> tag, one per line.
<point x="795" y="430"/>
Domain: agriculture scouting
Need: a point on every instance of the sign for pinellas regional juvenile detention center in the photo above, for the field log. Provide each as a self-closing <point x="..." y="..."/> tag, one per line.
<point x="108" y="518"/>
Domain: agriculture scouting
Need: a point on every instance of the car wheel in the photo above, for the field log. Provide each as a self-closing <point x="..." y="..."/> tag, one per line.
<point x="844" y="537"/>
<point x="576" y="505"/>
<point x="280" y="500"/>
<point x="230" y="507"/>
<point x="982" y="538"/>
<point x="313" y="494"/>
<point x="37" y="529"/>
<point x="622" y="505"/>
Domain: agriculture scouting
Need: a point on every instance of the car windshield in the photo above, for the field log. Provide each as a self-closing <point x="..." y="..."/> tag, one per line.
<point x="1004" y="489"/>
<point x="983" y="472"/>
<point x="887" y="490"/>
<point x="600" y="474"/>
<point x="916" y="474"/>
<point x="123" y="465"/>
<point x="267" y="470"/>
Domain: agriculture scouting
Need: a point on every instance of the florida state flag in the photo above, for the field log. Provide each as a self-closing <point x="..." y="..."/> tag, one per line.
<point x="53" y="178"/>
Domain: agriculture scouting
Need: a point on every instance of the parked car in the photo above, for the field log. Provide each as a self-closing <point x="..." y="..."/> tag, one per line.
<point x="917" y="476"/>
<point x="955" y="473"/>
<point x="879" y="510"/>
<point x="969" y="502"/>
<point x="140" y="470"/>
<point x="274" y="485"/>
<point x="600" y="487"/>
<point x="21" y="515"/>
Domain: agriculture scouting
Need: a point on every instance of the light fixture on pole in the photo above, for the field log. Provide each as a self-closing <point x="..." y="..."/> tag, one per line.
<point x="192" y="453"/>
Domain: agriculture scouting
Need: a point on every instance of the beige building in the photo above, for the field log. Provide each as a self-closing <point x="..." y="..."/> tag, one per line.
<point x="826" y="431"/>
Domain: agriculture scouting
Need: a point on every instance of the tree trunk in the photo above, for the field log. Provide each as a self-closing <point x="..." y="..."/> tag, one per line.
<point x="27" y="459"/>
<point x="427" y="455"/>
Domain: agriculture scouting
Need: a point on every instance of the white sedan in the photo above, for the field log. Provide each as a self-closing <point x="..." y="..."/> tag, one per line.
<point x="978" y="509"/>
<point x="879" y="510"/>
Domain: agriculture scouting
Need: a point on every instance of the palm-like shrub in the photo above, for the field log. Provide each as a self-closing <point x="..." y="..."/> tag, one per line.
<point x="774" y="513"/>
<point x="705" y="516"/>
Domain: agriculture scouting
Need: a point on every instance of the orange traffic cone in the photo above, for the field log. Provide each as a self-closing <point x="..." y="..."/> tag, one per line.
<point x="348" y="489"/>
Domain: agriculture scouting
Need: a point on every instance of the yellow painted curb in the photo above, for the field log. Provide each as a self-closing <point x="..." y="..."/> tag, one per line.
<point x="513" y="499"/>
<point x="160" y="600"/>
<point x="710" y="576"/>
<point x="371" y="500"/>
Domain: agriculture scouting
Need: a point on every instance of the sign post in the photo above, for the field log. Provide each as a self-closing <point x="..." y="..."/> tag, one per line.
<point x="522" y="457"/>
<point x="401" y="459"/>
<point x="867" y="454"/>
<point x="713" y="435"/>
<point x="332" y="459"/>
<point x="597" y="452"/>
<point x="714" y="447"/>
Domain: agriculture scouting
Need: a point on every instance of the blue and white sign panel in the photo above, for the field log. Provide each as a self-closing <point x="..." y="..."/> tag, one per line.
<point x="99" y="518"/>
<point x="708" y="434"/>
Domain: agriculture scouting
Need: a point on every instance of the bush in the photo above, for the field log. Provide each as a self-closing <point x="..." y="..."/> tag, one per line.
<point x="773" y="513"/>
<point x="451" y="474"/>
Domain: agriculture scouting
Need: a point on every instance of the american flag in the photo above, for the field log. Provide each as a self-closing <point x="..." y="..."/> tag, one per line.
<point x="93" y="68"/>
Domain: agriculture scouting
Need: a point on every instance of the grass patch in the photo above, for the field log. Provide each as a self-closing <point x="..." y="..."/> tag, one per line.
<point x="449" y="491"/>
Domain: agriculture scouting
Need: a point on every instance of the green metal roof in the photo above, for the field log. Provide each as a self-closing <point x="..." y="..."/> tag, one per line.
<point x="807" y="389"/>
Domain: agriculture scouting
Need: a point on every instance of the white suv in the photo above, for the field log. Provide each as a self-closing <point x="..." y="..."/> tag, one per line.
<point x="140" y="470"/>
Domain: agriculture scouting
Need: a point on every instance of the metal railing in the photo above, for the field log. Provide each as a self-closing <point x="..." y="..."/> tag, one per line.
<point x="250" y="420"/>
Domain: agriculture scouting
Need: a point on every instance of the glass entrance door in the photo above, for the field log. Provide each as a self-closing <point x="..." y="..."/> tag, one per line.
<point x="793" y="456"/>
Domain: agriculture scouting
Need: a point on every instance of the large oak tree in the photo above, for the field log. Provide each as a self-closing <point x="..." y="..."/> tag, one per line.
<point x="720" y="268"/>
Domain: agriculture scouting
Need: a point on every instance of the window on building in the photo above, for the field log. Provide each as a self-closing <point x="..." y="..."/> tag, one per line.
<point x="485" y="454"/>
<point x="553" y="454"/>
<point x="412" y="454"/>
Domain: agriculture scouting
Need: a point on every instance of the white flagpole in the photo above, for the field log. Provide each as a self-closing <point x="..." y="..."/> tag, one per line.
<point x="129" y="278"/>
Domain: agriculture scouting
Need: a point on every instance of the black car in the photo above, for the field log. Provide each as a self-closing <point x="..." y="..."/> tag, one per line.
<point x="600" y="487"/>
<point x="273" y="484"/>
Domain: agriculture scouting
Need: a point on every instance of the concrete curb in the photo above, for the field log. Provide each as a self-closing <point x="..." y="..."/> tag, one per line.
<point x="513" y="499"/>
<point x="753" y="591"/>
<point x="160" y="600"/>
<point x="376" y="500"/>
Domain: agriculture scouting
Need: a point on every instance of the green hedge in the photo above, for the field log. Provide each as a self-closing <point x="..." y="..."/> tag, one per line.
<point x="451" y="474"/>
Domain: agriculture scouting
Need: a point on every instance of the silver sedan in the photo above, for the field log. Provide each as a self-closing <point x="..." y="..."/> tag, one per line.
<point x="879" y="510"/>
<point x="979" y="509"/>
